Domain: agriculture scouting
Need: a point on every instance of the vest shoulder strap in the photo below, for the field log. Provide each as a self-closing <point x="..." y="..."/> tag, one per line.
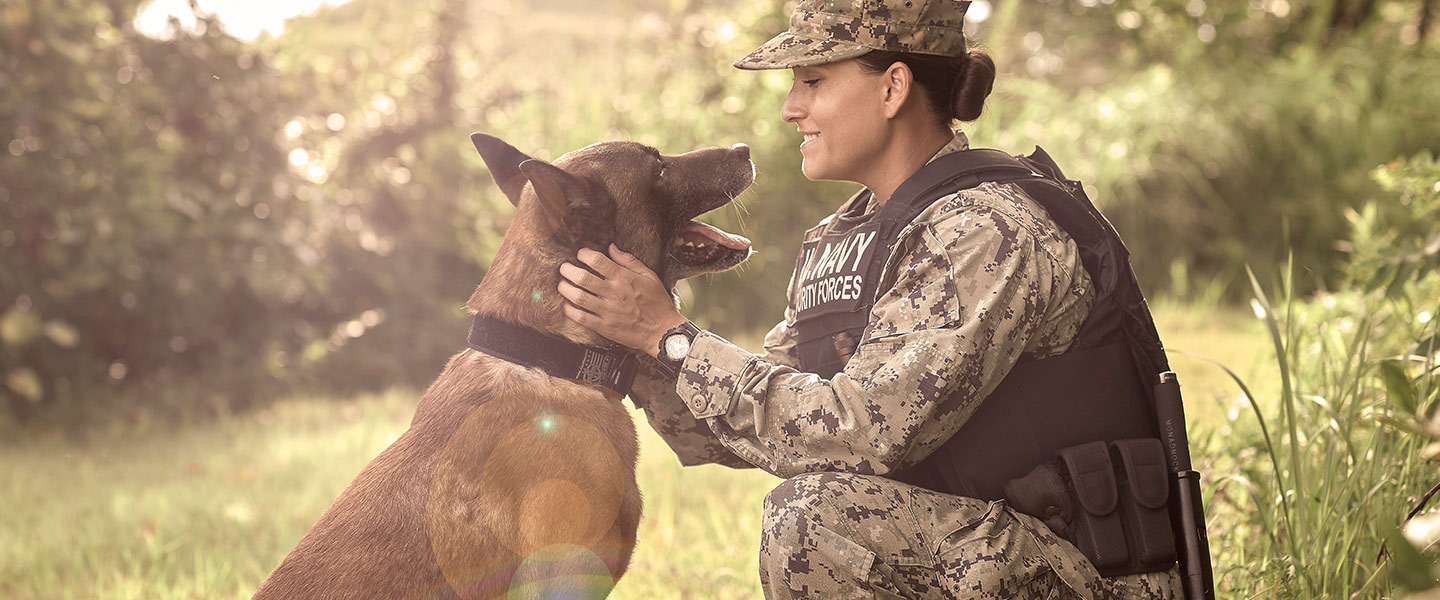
<point x="1103" y="254"/>
<point x="954" y="172"/>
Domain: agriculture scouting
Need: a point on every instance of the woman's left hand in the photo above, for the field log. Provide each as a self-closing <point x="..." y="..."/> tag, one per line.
<point x="629" y="305"/>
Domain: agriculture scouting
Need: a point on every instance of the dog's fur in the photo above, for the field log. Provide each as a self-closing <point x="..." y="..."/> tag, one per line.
<point x="510" y="481"/>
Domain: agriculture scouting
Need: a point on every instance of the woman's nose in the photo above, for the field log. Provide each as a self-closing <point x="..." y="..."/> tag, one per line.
<point x="790" y="110"/>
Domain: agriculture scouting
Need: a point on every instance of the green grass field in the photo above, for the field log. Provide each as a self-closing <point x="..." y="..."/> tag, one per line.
<point x="205" y="512"/>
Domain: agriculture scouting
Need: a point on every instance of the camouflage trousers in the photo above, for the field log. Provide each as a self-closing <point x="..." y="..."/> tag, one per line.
<point x="842" y="535"/>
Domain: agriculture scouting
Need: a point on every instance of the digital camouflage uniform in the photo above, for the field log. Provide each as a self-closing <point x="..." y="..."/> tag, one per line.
<point x="980" y="278"/>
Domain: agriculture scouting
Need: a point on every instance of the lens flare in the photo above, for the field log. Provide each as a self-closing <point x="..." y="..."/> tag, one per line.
<point x="546" y="424"/>
<point x="562" y="572"/>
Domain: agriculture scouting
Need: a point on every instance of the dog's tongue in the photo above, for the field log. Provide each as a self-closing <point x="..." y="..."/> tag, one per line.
<point x="698" y="232"/>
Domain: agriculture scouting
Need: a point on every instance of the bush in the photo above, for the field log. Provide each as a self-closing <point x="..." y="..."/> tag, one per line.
<point x="1213" y="168"/>
<point x="1311" y="495"/>
<point x="142" y="234"/>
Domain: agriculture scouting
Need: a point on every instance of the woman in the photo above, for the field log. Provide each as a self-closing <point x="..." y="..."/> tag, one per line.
<point x="975" y="282"/>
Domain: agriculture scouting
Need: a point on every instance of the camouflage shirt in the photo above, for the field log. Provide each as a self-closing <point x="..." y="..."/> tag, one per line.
<point x="981" y="277"/>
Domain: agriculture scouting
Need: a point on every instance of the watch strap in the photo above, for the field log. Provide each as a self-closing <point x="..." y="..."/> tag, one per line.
<point x="669" y="366"/>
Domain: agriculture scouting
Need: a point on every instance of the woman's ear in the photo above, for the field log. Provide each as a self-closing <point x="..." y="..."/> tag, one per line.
<point x="898" y="81"/>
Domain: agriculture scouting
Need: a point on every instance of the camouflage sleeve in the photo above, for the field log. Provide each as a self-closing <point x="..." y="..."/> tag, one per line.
<point x="689" y="437"/>
<point x="970" y="288"/>
<point x="780" y="345"/>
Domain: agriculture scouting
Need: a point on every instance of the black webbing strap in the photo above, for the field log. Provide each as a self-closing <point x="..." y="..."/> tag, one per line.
<point x="961" y="170"/>
<point x="557" y="356"/>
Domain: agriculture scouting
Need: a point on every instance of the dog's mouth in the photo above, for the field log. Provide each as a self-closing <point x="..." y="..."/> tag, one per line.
<point x="703" y="247"/>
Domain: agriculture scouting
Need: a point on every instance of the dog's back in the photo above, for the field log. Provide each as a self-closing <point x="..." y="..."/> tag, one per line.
<point x="507" y="482"/>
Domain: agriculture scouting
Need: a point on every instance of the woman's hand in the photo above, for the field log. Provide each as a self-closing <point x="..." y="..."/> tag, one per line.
<point x="630" y="305"/>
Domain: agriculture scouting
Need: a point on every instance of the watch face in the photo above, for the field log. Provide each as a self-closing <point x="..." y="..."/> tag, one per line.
<point x="677" y="346"/>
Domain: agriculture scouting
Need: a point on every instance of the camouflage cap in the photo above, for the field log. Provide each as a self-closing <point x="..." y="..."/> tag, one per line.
<point x="825" y="31"/>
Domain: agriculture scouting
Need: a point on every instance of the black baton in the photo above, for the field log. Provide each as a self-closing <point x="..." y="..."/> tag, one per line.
<point x="1187" y="511"/>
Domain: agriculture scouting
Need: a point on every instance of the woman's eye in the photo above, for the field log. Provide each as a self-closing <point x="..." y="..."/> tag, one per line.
<point x="810" y="82"/>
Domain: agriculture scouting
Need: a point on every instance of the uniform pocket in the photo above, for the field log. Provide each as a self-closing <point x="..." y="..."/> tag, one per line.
<point x="859" y="563"/>
<point x="987" y="551"/>
<point x="843" y="551"/>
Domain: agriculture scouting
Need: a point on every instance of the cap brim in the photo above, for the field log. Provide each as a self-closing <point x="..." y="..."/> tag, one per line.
<point x="787" y="51"/>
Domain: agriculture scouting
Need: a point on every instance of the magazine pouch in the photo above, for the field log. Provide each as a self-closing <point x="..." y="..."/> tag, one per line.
<point x="1144" y="490"/>
<point x="1108" y="499"/>
<point x="1096" y="528"/>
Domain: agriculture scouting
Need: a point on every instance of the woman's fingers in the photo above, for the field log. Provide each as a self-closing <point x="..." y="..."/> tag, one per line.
<point x="584" y="318"/>
<point x="625" y="302"/>
<point x="601" y="263"/>
<point x="577" y="296"/>
<point x="580" y="277"/>
<point x="627" y="260"/>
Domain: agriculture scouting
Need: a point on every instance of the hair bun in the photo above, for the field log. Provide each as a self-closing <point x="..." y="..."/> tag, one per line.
<point x="967" y="99"/>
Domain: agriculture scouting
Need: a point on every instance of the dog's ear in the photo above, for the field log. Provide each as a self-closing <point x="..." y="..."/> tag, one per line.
<point x="503" y="160"/>
<point x="580" y="214"/>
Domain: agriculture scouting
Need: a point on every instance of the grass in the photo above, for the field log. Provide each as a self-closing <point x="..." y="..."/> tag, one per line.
<point x="207" y="511"/>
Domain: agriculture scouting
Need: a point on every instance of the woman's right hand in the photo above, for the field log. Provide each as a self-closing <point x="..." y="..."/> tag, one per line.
<point x="627" y="303"/>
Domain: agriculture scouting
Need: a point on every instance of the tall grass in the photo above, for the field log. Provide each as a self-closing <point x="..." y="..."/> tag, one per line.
<point x="1313" y="486"/>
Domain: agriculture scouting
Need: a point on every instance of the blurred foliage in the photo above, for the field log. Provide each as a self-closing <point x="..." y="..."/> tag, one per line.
<point x="1393" y="241"/>
<point x="146" y="230"/>
<point x="189" y="216"/>
<point x="1331" y="499"/>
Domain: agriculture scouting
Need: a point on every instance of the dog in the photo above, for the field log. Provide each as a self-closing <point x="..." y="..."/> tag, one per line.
<point x="512" y="482"/>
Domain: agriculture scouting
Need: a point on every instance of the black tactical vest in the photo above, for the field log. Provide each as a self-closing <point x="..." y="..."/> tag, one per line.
<point x="1099" y="390"/>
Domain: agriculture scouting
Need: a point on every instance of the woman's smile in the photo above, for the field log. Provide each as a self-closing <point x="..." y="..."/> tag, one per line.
<point x="845" y="104"/>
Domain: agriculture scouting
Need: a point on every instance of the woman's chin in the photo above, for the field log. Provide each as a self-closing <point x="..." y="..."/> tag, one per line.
<point x="812" y="170"/>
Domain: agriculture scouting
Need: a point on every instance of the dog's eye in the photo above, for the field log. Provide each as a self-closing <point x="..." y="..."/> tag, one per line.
<point x="662" y="169"/>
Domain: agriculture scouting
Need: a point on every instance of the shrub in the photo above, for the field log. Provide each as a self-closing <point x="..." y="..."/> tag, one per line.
<point x="1309" y="497"/>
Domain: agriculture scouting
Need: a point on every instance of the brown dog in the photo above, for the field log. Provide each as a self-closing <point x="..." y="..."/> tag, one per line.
<point x="511" y="481"/>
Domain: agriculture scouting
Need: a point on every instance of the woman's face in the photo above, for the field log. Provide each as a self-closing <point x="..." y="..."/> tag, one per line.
<point x="839" y="109"/>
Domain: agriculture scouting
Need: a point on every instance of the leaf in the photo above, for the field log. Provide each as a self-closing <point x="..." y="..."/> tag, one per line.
<point x="1406" y="426"/>
<point x="1398" y="388"/>
<point x="1402" y="276"/>
<point x="26" y="384"/>
<point x="1423" y="530"/>
<point x="18" y="327"/>
<point x="1409" y="568"/>
<point x="61" y="333"/>
<point x="1379" y="278"/>
<point x="1427" y="345"/>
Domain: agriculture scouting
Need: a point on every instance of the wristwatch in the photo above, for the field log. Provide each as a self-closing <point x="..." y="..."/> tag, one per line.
<point x="675" y="346"/>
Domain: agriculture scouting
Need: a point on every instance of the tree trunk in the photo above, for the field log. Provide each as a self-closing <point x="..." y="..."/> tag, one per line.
<point x="1427" y="16"/>
<point x="449" y="24"/>
<point x="1349" y="16"/>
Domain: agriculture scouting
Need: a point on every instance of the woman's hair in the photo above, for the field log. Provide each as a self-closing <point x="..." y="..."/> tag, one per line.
<point x="955" y="85"/>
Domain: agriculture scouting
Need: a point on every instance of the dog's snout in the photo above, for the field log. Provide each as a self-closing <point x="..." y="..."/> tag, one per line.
<point x="742" y="149"/>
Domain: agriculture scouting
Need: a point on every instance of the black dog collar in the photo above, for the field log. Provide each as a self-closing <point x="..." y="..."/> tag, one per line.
<point x="614" y="369"/>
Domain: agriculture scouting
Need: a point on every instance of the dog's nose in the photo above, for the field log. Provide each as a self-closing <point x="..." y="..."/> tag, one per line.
<point x="742" y="149"/>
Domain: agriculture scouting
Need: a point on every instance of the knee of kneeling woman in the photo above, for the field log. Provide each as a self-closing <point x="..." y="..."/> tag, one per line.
<point x="793" y="512"/>
<point x="804" y="551"/>
<point x="805" y="493"/>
